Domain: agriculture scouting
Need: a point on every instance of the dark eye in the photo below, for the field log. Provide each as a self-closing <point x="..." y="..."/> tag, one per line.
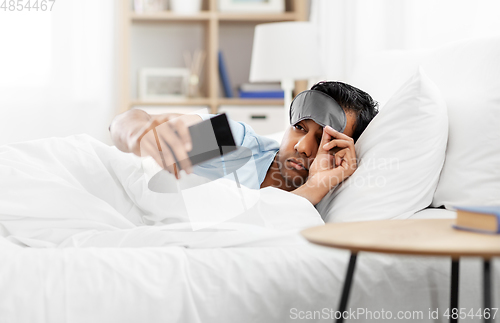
<point x="299" y="127"/>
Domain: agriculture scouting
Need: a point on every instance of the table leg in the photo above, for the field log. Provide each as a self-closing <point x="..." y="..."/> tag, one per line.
<point x="455" y="264"/>
<point x="347" y="287"/>
<point x="487" y="289"/>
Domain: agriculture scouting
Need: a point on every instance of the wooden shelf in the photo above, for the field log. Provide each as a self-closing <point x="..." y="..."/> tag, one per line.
<point x="211" y="19"/>
<point x="207" y="101"/>
<point x="170" y="16"/>
<point x="270" y="17"/>
<point x="186" y="102"/>
<point x="207" y="15"/>
<point x="255" y="102"/>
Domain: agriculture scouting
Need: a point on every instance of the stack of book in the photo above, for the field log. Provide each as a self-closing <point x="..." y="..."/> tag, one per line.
<point x="478" y="218"/>
<point x="261" y="91"/>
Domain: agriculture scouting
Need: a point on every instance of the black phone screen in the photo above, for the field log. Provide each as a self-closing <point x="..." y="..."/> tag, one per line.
<point x="211" y="138"/>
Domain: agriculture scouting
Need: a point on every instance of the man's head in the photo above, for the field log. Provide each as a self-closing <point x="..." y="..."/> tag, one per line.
<point x="301" y="140"/>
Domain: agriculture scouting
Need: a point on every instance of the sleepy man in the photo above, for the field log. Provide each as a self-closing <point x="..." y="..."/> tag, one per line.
<point x="316" y="152"/>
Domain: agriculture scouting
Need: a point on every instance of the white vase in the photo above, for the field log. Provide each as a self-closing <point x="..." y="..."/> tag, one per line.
<point x="141" y="6"/>
<point x="185" y="6"/>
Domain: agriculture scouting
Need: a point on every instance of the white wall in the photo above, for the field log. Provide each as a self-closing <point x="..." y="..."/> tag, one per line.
<point x="58" y="71"/>
<point x="354" y="28"/>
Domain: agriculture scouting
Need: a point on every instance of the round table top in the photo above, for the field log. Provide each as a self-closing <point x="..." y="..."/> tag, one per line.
<point x="432" y="237"/>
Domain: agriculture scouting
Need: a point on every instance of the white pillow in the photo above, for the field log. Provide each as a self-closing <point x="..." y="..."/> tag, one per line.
<point x="381" y="73"/>
<point x="468" y="76"/>
<point x="400" y="156"/>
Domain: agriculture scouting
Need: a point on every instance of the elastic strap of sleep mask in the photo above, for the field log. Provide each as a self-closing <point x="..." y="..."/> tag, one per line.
<point x="319" y="107"/>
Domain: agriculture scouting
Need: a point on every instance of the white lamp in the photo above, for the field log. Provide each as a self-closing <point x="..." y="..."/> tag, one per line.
<point x="285" y="52"/>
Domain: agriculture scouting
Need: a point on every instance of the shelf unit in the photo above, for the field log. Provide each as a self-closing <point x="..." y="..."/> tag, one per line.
<point x="211" y="19"/>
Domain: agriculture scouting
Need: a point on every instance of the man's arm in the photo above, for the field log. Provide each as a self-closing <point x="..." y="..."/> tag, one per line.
<point x="313" y="191"/>
<point x="328" y="170"/>
<point x="135" y="131"/>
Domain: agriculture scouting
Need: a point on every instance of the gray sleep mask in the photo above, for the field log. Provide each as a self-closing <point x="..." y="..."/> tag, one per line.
<point x="319" y="107"/>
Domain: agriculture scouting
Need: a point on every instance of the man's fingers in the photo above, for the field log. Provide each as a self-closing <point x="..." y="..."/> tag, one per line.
<point x="148" y="146"/>
<point x="338" y="140"/>
<point x="167" y="156"/>
<point x="145" y="143"/>
<point x="325" y="138"/>
<point x="164" y="160"/>
<point x="183" y="132"/>
<point x="337" y="143"/>
<point x="339" y="155"/>
<point x="159" y="140"/>
<point x="185" y="163"/>
<point x="345" y="158"/>
<point x="171" y="142"/>
<point x="135" y="140"/>
<point x="167" y="162"/>
<point x="336" y="134"/>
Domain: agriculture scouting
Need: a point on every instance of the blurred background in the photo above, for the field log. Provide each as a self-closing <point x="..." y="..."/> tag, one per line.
<point x="72" y="67"/>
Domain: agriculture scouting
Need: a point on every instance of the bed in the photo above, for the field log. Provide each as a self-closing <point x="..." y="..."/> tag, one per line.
<point x="92" y="244"/>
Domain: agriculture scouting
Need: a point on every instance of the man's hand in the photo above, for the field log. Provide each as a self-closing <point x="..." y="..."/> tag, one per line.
<point x="161" y="137"/>
<point x="334" y="162"/>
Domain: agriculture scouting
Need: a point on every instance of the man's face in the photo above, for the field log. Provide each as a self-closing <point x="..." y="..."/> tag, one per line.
<point x="299" y="147"/>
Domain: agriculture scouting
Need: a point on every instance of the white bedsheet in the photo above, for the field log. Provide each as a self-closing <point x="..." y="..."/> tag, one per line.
<point x="220" y="285"/>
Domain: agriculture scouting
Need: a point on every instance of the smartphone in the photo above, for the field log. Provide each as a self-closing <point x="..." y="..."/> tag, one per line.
<point x="210" y="138"/>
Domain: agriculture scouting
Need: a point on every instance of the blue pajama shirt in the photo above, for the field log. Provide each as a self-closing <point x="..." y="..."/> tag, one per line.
<point x="252" y="173"/>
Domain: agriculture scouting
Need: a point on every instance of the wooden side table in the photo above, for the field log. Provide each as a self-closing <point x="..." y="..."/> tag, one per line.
<point x="427" y="237"/>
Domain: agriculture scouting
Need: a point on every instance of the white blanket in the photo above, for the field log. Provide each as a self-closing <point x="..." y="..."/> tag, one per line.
<point x="79" y="192"/>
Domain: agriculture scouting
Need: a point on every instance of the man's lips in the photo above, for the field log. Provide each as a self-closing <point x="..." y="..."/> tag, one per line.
<point x="295" y="163"/>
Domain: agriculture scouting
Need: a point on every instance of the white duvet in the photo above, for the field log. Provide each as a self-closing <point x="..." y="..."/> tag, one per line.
<point x="79" y="192"/>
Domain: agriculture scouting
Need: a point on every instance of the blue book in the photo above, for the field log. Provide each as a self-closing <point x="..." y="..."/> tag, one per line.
<point x="485" y="219"/>
<point x="226" y="85"/>
<point x="262" y="94"/>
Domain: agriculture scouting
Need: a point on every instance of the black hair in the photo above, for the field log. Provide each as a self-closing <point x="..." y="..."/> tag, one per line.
<point x="351" y="99"/>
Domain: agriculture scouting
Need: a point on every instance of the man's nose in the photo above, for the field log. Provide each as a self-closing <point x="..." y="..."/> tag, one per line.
<point x="307" y="146"/>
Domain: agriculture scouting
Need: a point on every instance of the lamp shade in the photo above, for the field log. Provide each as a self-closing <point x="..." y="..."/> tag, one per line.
<point x="284" y="50"/>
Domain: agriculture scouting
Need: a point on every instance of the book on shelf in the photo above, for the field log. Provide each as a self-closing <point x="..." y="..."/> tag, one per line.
<point x="485" y="219"/>
<point x="224" y="77"/>
<point x="262" y="95"/>
<point x="260" y="87"/>
<point x="261" y="91"/>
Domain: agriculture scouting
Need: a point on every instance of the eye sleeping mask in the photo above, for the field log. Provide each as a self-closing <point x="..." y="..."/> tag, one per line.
<point x="319" y="107"/>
